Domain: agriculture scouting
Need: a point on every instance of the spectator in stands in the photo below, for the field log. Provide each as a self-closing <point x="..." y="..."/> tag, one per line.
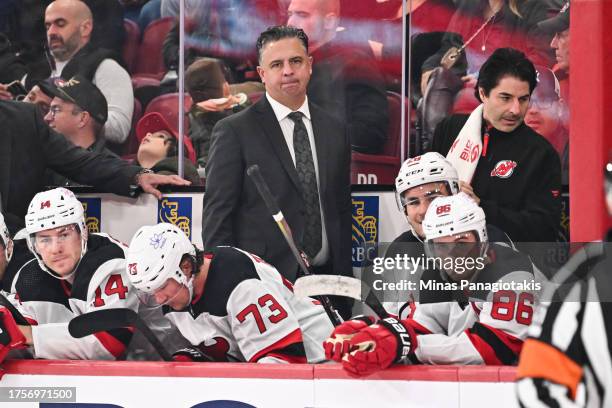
<point x="28" y="147"/>
<point x="158" y="149"/>
<point x="559" y="27"/>
<point x="78" y="111"/>
<point x="345" y="79"/>
<point x="212" y="101"/>
<point x="40" y="96"/>
<point x="142" y="12"/>
<point x="545" y="116"/>
<point x="69" y="26"/>
<point x="511" y="171"/>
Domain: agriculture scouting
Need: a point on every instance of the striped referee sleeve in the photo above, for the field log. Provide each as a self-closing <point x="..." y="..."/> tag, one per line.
<point x="567" y="362"/>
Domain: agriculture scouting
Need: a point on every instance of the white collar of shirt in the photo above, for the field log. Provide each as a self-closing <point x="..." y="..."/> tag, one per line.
<point x="281" y="111"/>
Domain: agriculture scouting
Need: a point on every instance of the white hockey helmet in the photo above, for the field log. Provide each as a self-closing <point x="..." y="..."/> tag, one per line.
<point x="52" y="209"/>
<point x="5" y="239"/>
<point x="430" y="167"/>
<point x="453" y="215"/>
<point x="154" y="256"/>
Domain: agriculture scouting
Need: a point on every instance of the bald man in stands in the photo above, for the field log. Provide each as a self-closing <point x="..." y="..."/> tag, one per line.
<point x="69" y="25"/>
<point x="345" y="79"/>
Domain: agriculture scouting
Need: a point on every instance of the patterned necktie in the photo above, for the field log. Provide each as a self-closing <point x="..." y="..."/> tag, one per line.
<point x="304" y="165"/>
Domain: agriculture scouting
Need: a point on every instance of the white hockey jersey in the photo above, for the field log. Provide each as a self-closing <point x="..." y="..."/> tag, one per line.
<point x="479" y="326"/>
<point x="247" y="312"/>
<point x="100" y="282"/>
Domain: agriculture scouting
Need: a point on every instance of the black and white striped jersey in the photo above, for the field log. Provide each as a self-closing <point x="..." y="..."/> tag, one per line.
<point x="566" y="361"/>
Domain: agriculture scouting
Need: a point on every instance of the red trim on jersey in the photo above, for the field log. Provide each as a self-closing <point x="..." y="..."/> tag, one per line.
<point x="476" y="309"/>
<point x="484" y="349"/>
<point x="514" y="343"/>
<point x="67" y="287"/>
<point x="487" y="352"/>
<point x="31" y="321"/>
<point x="293" y="337"/>
<point x="418" y="328"/>
<point x="110" y="343"/>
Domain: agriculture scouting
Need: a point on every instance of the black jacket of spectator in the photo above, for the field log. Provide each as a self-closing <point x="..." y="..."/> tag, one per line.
<point x="85" y="62"/>
<point x="525" y="202"/>
<point x="347" y="84"/>
<point x="28" y="147"/>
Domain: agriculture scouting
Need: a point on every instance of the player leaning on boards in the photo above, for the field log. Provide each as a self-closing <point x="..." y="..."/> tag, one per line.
<point x="451" y="323"/>
<point x="74" y="273"/>
<point x="229" y="304"/>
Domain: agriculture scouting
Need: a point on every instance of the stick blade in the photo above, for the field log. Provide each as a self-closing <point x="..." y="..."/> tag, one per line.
<point x="101" y="320"/>
<point x="317" y="285"/>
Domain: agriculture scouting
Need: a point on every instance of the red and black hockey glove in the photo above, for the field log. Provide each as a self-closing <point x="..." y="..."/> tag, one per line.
<point x="10" y="335"/>
<point x="377" y="346"/>
<point x="337" y="344"/>
<point x="190" y="354"/>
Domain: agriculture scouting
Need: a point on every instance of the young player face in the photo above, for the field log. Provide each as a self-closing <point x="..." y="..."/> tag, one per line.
<point x="458" y="248"/>
<point x="507" y="103"/>
<point x="172" y="294"/>
<point x="285" y="70"/>
<point x="59" y="248"/>
<point x="417" y="201"/>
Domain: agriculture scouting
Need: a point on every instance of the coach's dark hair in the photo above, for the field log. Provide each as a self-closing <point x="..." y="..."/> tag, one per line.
<point x="505" y="62"/>
<point x="279" y="32"/>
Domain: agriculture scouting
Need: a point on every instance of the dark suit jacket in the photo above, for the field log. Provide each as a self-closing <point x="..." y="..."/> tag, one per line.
<point x="28" y="147"/>
<point x="235" y="214"/>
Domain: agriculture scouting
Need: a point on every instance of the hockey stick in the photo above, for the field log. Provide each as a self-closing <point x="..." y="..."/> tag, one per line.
<point x="108" y="319"/>
<point x="19" y="319"/>
<point x="279" y="218"/>
<point x="317" y="285"/>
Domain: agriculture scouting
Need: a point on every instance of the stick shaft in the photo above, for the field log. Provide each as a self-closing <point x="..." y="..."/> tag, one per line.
<point x="279" y="218"/>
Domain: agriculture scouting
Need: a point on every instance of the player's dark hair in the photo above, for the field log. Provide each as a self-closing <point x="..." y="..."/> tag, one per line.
<point x="172" y="144"/>
<point x="505" y="62"/>
<point x="280" y="32"/>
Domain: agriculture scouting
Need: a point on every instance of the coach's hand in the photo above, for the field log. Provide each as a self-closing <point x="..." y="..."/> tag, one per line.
<point x="378" y="346"/>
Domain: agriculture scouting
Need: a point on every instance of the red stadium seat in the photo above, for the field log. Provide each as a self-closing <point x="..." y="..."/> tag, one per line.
<point x="150" y="60"/>
<point x="465" y="101"/>
<point x="132" y="40"/>
<point x="167" y="105"/>
<point x="139" y="81"/>
<point x="382" y="168"/>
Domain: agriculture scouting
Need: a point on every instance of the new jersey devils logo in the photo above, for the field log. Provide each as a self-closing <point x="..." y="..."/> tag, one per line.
<point x="503" y="169"/>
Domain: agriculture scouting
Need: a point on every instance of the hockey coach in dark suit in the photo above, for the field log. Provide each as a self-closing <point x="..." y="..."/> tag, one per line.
<point x="303" y="154"/>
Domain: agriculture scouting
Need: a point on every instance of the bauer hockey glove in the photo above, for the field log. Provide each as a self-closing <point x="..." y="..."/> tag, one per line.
<point x="337" y="344"/>
<point x="377" y="346"/>
<point x="10" y="335"/>
<point x="190" y="354"/>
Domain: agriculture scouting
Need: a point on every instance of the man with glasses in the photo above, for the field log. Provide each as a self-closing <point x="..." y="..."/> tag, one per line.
<point x="78" y="111"/>
<point x="73" y="273"/>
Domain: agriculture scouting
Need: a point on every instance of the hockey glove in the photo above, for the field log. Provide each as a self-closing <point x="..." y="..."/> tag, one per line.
<point x="10" y="335"/>
<point x="378" y="346"/>
<point x="190" y="354"/>
<point x="337" y="344"/>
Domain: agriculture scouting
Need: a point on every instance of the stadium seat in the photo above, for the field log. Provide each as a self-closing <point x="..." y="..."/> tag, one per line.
<point x="465" y="101"/>
<point x="130" y="47"/>
<point x="382" y="168"/>
<point x="140" y="81"/>
<point x="150" y="60"/>
<point x="167" y="105"/>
